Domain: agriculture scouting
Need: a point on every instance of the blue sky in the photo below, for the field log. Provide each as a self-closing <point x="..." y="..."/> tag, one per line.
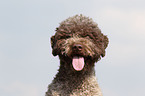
<point x="27" y="65"/>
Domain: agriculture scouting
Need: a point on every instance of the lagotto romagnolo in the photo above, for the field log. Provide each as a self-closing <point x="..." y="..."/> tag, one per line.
<point x="79" y="43"/>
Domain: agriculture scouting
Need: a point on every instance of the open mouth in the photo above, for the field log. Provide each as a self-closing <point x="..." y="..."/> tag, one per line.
<point x="78" y="63"/>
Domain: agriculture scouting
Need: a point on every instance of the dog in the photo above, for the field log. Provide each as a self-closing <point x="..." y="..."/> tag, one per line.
<point x="79" y="43"/>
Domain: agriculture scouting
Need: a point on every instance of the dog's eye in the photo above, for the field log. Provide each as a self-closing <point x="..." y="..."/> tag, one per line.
<point x="65" y="37"/>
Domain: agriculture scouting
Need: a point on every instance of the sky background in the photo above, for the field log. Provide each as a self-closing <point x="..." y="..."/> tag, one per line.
<point x="27" y="65"/>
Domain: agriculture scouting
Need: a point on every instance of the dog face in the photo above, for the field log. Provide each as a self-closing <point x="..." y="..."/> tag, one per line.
<point x="79" y="38"/>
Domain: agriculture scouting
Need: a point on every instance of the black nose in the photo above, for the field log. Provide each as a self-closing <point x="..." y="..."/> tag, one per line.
<point x="77" y="47"/>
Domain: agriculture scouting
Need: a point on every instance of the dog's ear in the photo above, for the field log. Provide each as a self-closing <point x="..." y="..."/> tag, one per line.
<point x="54" y="46"/>
<point x="104" y="45"/>
<point x="106" y="41"/>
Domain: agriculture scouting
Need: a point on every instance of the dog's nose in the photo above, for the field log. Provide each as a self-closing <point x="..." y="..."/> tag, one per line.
<point x="77" y="47"/>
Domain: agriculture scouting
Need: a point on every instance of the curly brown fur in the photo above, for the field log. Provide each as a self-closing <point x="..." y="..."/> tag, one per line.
<point x="78" y="37"/>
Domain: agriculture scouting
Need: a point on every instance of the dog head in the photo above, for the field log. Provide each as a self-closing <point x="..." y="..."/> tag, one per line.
<point x="79" y="38"/>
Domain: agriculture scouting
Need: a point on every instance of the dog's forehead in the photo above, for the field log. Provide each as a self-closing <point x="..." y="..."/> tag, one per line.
<point x="77" y="23"/>
<point x="80" y="26"/>
<point x="79" y="20"/>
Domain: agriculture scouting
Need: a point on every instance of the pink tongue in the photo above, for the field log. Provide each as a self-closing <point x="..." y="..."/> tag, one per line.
<point x="78" y="63"/>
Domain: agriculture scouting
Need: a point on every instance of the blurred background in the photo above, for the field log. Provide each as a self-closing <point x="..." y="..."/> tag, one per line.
<point x="27" y="65"/>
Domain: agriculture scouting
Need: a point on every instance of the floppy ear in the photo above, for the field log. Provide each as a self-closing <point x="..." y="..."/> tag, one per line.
<point x="54" y="46"/>
<point x="104" y="45"/>
<point x="52" y="41"/>
<point x="106" y="41"/>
